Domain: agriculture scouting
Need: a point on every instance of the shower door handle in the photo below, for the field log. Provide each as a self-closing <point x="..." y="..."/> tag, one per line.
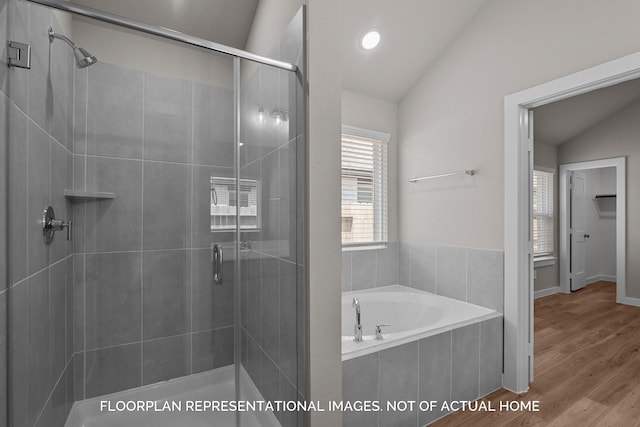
<point x="216" y="261"/>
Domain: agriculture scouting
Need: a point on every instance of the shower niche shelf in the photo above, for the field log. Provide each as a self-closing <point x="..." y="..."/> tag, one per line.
<point x="88" y="195"/>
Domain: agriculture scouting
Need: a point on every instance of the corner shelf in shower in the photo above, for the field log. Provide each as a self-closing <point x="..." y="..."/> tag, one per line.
<point x="88" y="195"/>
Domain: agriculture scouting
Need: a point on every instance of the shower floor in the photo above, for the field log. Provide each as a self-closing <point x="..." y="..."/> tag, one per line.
<point x="214" y="385"/>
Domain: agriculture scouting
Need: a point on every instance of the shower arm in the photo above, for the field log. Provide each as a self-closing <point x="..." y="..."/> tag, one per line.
<point x="53" y="35"/>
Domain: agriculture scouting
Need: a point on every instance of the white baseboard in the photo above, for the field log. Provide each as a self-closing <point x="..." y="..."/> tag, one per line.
<point x="599" y="278"/>
<point x="630" y="301"/>
<point x="546" y="292"/>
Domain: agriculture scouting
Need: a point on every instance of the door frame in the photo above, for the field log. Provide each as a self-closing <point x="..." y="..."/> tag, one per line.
<point x="621" y="224"/>
<point x="518" y="317"/>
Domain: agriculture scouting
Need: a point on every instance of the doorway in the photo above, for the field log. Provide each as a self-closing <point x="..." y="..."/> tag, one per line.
<point x="518" y="349"/>
<point x="589" y="202"/>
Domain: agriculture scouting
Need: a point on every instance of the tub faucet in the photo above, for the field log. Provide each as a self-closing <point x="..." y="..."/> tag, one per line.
<point x="357" y="328"/>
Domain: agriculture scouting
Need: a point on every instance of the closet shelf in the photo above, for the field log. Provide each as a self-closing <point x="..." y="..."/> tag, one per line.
<point x="87" y="195"/>
<point x="606" y="205"/>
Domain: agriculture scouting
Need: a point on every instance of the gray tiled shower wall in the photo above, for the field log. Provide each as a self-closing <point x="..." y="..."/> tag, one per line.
<point x="467" y="274"/>
<point x="145" y="306"/>
<point x="272" y="291"/>
<point x="37" y="122"/>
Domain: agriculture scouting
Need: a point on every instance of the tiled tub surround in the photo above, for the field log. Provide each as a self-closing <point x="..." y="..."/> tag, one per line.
<point x="145" y="306"/>
<point x="39" y="114"/>
<point x="466" y="274"/>
<point x="461" y="364"/>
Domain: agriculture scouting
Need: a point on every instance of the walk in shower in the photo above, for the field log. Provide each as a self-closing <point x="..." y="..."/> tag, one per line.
<point x="152" y="221"/>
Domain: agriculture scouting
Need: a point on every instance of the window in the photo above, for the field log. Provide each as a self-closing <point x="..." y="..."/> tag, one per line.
<point x="224" y="199"/>
<point x="364" y="187"/>
<point x="543" y="214"/>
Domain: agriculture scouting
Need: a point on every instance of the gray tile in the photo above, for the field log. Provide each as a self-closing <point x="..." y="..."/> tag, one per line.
<point x="79" y="173"/>
<point x="57" y="320"/>
<point x="59" y="156"/>
<point x="252" y="135"/>
<point x="113" y="291"/>
<point x="3" y="355"/>
<point x="271" y="196"/>
<point x="167" y="206"/>
<point x="18" y="193"/>
<point x="302" y="328"/>
<point x="78" y="376"/>
<point x="80" y="81"/>
<point x="387" y="265"/>
<point x="270" y="307"/>
<point x="288" y="393"/>
<point x="491" y="333"/>
<point x="38" y="176"/>
<point x="44" y="417"/>
<point x="363" y="270"/>
<point x="38" y="342"/>
<point x="78" y="239"/>
<point x="213" y="126"/>
<point x="251" y="274"/>
<point x="435" y="374"/>
<point x="270" y="381"/>
<point x="69" y="309"/>
<point x="465" y="362"/>
<point x="167" y="118"/>
<point x="166" y="358"/>
<point x="270" y="94"/>
<point x="346" y="271"/>
<point x="19" y="30"/>
<point x="59" y="403"/>
<point x="61" y="81"/>
<point x="166" y="294"/>
<point x="69" y="376"/>
<point x="288" y="204"/>
<point x="399" y="369"/>
<point x="19" y="348"/>
<point x="124" y="178"/>
<point x="4" y="11"/>
<point x="288" y="321"/>
<point x="301" y="197"/>
<point x="78" y="302"/>
<point x="451" y="272"/>
<point x="40" y="87"/>
<point x="201" y="233"/>
<point x="114" y="111"/>
<point x="4" y="216"/>
<point x="254" y="361"/>
<point x="212" y="304"/>
<point x="485" y="278"/>
<point x="404" y="264"/>
<point x="212" y="349"/>
<point x="361" y="381"/>
<point x="113" y="369"/>
<point x="423" y="266"/>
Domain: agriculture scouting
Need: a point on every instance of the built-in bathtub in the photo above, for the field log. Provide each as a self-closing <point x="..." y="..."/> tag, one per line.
<point x="436" y="349"/>
<point x="410" y="313"/>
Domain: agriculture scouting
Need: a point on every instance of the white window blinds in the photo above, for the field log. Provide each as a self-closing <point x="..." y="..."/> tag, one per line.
<point x="364" y="187"/>
<point x="543" y="213"/>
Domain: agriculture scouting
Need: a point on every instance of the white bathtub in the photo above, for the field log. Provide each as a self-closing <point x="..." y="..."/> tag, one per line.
<point x="412" y="314"/>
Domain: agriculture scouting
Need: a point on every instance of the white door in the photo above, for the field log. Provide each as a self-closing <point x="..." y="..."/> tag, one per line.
<point x="578" y="245"/>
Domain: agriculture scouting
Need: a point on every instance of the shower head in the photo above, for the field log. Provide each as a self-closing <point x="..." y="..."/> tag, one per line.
<point x="83" y="58"/>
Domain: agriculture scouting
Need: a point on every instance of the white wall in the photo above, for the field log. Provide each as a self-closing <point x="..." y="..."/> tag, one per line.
<point x="452" y="119"/>
<point x="382" y="116"/>
<point x="546" y="155"/>
<point x="324" y="128"/>
<point x="133" y="49"/>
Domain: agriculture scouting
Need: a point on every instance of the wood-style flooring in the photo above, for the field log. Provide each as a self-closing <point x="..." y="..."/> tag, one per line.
<point x="586" y="365"/>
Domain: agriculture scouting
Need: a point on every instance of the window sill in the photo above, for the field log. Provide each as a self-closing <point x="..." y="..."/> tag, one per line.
<point x="364" y="247"/>
<point x="544" y="261"/>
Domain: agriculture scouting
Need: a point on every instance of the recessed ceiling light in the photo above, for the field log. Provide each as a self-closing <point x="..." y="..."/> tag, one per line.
<point x="370" y="39"/>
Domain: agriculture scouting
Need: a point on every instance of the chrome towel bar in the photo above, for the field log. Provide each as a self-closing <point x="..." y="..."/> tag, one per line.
<point x="469" y="172"/>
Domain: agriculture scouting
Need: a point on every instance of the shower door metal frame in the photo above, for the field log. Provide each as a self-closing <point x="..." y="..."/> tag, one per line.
<point x="161" y="32"/>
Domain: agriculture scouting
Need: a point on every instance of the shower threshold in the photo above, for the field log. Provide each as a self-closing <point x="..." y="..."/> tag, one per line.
<point x="180" y="401"/>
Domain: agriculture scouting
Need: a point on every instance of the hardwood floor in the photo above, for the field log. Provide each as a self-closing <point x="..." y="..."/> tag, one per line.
<point x="587" y="365"/>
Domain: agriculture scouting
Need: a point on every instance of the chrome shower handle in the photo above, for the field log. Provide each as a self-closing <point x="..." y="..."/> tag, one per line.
<point x="217" y="260"/>
<point x="50" y="225"/>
